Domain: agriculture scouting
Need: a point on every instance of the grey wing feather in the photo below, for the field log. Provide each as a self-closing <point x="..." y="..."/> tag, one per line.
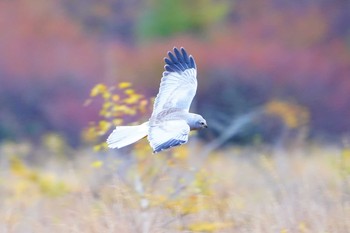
<point x="169" y="144"/>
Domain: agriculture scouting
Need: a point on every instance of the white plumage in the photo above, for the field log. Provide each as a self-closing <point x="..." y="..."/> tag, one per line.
<point x="126" y="135"/>
<point x="171" y="121"/>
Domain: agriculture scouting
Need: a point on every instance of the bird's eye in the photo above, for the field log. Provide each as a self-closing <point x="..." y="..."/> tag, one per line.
<point x="202" y="123"/>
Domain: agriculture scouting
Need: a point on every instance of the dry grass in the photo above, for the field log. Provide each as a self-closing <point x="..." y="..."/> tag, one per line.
<point x="237" y="190"/>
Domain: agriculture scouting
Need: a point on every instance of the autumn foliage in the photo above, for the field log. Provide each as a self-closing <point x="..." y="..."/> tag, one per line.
<point x="274" y="88"/>
<point x="247" y="52"/>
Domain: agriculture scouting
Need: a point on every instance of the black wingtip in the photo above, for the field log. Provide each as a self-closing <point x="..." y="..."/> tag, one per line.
<point x="172" y="57"/>
<point x="179" y="60"/>
<point x="192" y="62"/>
<point x="167" y="61"/>
<point x="179" y="55"/>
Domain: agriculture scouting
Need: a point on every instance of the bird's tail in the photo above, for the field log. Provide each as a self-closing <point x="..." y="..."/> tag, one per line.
<point x="126" y="135"/>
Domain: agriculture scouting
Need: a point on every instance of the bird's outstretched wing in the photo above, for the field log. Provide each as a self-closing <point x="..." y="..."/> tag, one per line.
<point x="168" y="134"/>
<point x="179" y="83"/>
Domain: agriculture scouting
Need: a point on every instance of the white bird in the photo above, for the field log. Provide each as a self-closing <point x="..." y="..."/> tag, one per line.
<point x="171" y="120"/>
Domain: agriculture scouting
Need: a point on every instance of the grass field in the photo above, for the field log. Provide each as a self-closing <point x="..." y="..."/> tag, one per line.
<point x="252" y="189"/>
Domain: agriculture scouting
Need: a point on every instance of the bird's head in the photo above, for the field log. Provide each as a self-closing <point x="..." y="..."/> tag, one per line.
<point x="203" y="123"/>
<point x="198" y="122"/>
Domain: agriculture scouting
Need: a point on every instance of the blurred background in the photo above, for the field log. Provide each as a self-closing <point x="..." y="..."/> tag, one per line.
<point x="248" y="53"/>
<point x="274" y="87"/>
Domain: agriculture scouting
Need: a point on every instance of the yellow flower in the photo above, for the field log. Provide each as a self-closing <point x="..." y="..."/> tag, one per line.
<point x="132" y="99"/>
<point x="105" y="113"/>
<point x="188" y="205"/>
<point x="89" y="134"/>
<point x="104" y="126"/>
<point x="303" y="227"/>
<point x="129" y="91"/>
<point x="98" y="89"/>
<point x="117" y="121"/>
<point x="292" y="115"/>
<point x="97" y="164"/>
<point x="106" y="105"/>
<point x="106" y="95"/>
<point x="123" y="85"/>
<point x="208" y="226"/>
<point x="97" y="147"/>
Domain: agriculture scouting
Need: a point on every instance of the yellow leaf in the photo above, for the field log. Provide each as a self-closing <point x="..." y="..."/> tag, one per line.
<point x="132" y="99"/>
<point x="97" y="148"/>
<point x="106" y="95"/>
<point x="208" y="226"/>
<point x="97" y="164"/>
<point x="302" y="227"/>
<point x="98" y="89"/>
<point x="117" y="121"/>
<point x="129" y="91"/>
<point x="89" y="134"/>
<point x="106" y="105"/>
<point x="104" y="126"/>
<point x="123" y="85"/>
<point x="292" y="115"/>
<point x="188" y="205"/>
<point x="346" y="153"/>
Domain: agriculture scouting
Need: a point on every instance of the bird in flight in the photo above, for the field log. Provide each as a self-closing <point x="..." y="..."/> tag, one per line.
<point x="171" y="120"/>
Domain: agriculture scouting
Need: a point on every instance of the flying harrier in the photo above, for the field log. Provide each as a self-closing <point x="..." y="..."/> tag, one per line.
<point x="171" y="120"/>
